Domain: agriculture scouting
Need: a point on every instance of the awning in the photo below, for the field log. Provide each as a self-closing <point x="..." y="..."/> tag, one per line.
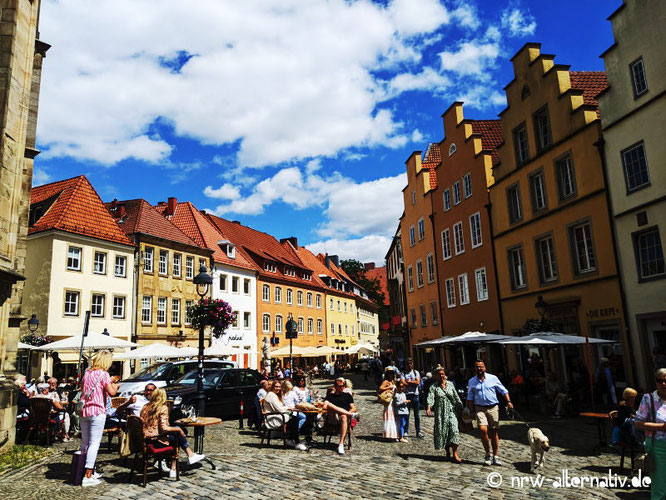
<point x="91" y="341"/>
<point x="362" y="348"/>
<point x="26" y="347"/>
<point x="155" y="350"/>
<point x="553" y="338"/>
<point x="465" y="338"/>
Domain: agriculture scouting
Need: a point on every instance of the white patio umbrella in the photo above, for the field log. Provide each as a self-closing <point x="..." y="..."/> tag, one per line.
<point x="154" y="350"/>
<point x="552" y="338"/>
<point x="284" y="351"/>
<point x="26" y="347"/>
<point x="324" y="350"/>
<point x="91" y="341"/>
<point x="363" y="348"/>
<point x="466" y="338"/>
<point x="220" y="350"/>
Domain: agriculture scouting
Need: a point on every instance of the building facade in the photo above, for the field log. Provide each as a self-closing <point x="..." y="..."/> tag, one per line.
<point x="552" y="230"/>
<point x="398" y="338"/>
<point x="632" y="107"/>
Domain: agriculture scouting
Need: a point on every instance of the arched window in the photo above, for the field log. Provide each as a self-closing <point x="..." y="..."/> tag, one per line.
<point x="310" y="326"/>
<point x="320" y="327"/>
<point x="452" y="148"/>
<point x="266" y="323"/>
<point x="278" y="324"/>
<point x="266" y="293"/>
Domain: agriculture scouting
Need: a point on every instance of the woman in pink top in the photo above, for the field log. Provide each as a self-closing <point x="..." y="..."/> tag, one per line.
<point x="95" y="388"/>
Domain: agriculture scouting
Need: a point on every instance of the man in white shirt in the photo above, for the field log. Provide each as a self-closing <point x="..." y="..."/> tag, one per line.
<point x="136" y="402"/>
<point x="413" y="379"/>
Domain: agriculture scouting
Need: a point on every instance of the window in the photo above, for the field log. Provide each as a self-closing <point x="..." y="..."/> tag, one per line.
<point x="320" y="327"/>
<point x="119" y="307"/>
<point x="410" y="278"/>
<point x="331" y="305"/>
<point x="290" y="296"/>
<point x="481" y="284"/>
<point x="299" y="298"/>
<point x="310" y="326"/>
<point x="412" y="237"/>
<point x="452" y="148"/>
<point x="447" y="200"/>
<point x="520" y="143"/>
<point x="467" y="185"/>
<point x="339" y="307"/>
<point x="278" y="295"/>
<point x="419" y="273"/>
<point x="635" y="168"/>
<point x="266" y="323"/>
<point x="412" y="317"/>
<point x="450" y="293"/>
<point x="270" y="266"/>
<point x="458" y="238"/>
<point x="413" y="197"/>
<point x="339" y="329"/>
<point x="72" y="303"/>
<point x="246" y="320"/>
<point x="121" y="266"/>
<point x="223" y="282"/>
<point x="189" y="267"/>
<point x="308" y="299"/>
<point x="513" y="202"/>
<point x="266" y="293"/>
<point x="583" y="252"/>
<point x="289" y="271"/>
<point x="547" y="264"/>
<point x="177" y="258"/>
<point x="300" y="326"/>
<point x="175" y="311"/>
<point x="307" y="276"/>
<point x="164" y="262"/>
<point x="148" y="253"/>
<point x="188" y="318"/>
<point x="446" y="244"/>
<point x="649" y="254"/>
<point x="97" y="305"/>
<point x="542" y="129"/>
<point x="517" y="265"/>
<point x="463" y="288"/>
<point x="235" y="284"/>
<point x="424" y="318"/>
<point x="475" y="230"/>
<point x="246" y="286"/>
<point x="161" y="310"/>
<point x="74" y="258"/>
<point x="433" y="313"/>
<point x="638" y="77"/>
<point x="566" y="179"/>
<point x="345" y="306"/>
<point x="430" y="267"/>
<point x="147" y="309"/>
<point x="278" y="324"/>
<point x="421" y="228"/>
<point x="332" y="328"/>
<point x="99" y="264"/>
<point x="318" y="301"/>
<point x="538" y="190"/>
<point x="456" y="193"/>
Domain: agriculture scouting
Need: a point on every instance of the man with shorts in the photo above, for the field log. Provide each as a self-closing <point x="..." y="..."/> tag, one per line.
<point x="341" y="409"/>
<point x="482" y="401"/>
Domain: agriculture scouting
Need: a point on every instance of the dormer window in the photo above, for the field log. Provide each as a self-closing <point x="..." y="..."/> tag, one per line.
<point x="231" y="251"/>
<point x="306" y="276"/>
<point x="452" y="148"/>
<point x="289" y="271"/>
<point x="270" y="266"/>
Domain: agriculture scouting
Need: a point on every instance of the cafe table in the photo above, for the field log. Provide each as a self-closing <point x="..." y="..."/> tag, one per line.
<point x="600" y="419"/>
<point x="199" y="424"/>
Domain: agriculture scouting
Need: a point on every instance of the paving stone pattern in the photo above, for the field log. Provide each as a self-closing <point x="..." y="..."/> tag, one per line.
<point x="372" y="469"/>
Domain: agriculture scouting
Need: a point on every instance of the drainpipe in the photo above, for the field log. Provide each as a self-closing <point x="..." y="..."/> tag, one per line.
<point x="497" y="289"/>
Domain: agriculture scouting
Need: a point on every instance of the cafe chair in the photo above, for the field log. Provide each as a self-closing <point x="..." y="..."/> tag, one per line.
<point x="622" y="446"/>
<point x="40" y="419"/>
<point x="147" y="451"/>
<point x="331" y="428"/>
<point x="272" y="422"/>
<point x="114" y="429"/>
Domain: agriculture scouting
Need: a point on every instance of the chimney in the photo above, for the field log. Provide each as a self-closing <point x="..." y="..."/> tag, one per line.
<point x="334" y="259"/>
<point x="327" y="261"/>
<point x="292" y="239"/>
<point x="369" y="266"/>
<point x="121" y="211"/>
<point x="171" y="206"/>
<point x="161" y="203"/>
<point x="114" y="203"/>
<point x="236" y="222"/>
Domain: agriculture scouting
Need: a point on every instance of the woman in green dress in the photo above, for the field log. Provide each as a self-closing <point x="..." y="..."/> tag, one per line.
<point x="444" y="403"/>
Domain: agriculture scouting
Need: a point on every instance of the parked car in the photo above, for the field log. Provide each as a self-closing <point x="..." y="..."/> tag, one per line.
<point x="164" y="373"/>
<point x="224" y="390"/>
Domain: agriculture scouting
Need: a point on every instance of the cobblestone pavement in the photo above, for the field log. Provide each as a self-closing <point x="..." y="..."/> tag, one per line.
<point x="373" y="468"/>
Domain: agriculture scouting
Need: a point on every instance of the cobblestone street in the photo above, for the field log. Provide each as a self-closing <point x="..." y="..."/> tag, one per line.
<point x="373" y="468"/>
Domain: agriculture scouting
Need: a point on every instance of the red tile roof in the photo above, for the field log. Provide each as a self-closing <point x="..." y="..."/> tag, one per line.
<point x="491" y="135"/>
<point x="431" y="159"/>
<point x="76" y="208"/>
<point x="142" y="217"/>
<point x="379" y="273"/>
<point x="311" y="262"/>
<point x="590" y="82"/>
<point x="195" y="225"/>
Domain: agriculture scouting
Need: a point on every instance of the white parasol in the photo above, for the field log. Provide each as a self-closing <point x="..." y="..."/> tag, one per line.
<point x="90" y="342"/>
<point x="154" y="350"/>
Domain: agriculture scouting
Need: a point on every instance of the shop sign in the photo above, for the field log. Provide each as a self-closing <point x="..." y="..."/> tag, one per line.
<point x="602" y="312"/>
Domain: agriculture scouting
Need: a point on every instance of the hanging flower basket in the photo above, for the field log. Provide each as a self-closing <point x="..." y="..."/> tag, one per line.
<point x="35" y="340"/>
<point x="215" y="313"/>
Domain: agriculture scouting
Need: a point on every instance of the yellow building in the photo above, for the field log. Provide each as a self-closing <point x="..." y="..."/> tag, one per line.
<point x="168" y="262"/>
<point x="551" y="226"/>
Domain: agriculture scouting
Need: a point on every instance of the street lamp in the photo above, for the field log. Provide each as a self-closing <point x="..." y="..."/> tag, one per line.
<point x="291" y="332"/>
<point x="541" y="306"/>
<point x="33" y="323"/>
<point x="202" y="281"/>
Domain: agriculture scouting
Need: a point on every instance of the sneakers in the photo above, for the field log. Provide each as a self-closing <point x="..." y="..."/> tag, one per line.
<point x="159" y="464"/>
<point x="488" y="460"/>
<point x="195" y="458"/>
<point x="172" y="473"/>
<point x="301" y="447"/>
<point x="97" y="475"/>
<point x="496" y="460"/>
<point x="90" y="481"/>
<point x="420" y="435"/>
<point x="341" y="449"/>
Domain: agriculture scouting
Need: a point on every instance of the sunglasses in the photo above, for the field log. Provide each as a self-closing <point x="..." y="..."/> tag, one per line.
<point x="661" y="380"/>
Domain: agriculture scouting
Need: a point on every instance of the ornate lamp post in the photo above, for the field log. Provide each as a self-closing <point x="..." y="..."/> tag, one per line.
<point x="541" y="307"/>
<point x="202" y="281"/>
<point x="33" y="325"/>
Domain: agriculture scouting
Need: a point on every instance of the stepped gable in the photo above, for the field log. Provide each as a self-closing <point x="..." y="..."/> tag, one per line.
<point x="75" y="208"/>
<point x="431" y="159"/>
<point x="141" y="217"/>
<point x="379" y="273"/>
<point x="195" y="225"/>
<point x="491" y="135"/>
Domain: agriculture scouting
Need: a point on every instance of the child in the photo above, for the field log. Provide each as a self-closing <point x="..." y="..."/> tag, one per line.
<point x="402" y="410"/>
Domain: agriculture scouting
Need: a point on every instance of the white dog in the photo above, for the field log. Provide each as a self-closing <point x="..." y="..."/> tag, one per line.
<point x="539" y="444"/>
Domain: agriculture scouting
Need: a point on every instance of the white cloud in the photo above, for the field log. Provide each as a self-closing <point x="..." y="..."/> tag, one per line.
<point x="467" y="15"/>
<point x="224" y="192"/>
<point x="371" y="248"/>
<point x="482" y="97"/>
<point x="471" y="58"/>
<point x="40" y="176"/>
<point x="428" y="79"/>
<point x="264" y="85"/>
<point x="417" y="136"/>
<point x="518" y="23"/>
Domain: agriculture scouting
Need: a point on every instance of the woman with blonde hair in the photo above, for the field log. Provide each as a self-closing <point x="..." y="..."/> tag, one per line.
<point x="651" y="418"/>
<point x="96" y="386"/>
<point x="155" y="416"/>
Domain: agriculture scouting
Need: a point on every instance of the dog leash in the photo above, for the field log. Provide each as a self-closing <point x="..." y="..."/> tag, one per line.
<point x="511" y="413"/>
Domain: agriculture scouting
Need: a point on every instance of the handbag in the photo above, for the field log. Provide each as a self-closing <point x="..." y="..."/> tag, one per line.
<point x="125" y="449"/>
<point x="77" y="468"/>
<point x="385" y="397"/>
<point x="78" y="409"/>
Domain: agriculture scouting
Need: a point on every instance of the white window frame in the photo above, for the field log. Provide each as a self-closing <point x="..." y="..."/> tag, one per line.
<point x="278" y="323"/>
<point x="266" y="323"/>
<point x="590" y="254"/>
<point x="94" y="306"/>
<point x="310" y="326"/>
<point x="640" y="65"/>
<point x="148" y="259"/>
<point x="277" y="295"/>
<point x="120" y="266"/>
<point x="308" y="299"/>
<point x="447" y="200"/>
<point x="75" y="303"/>
<point x="456" y="193"/>
<point x="97" y="262"/>
<point x="481" y="278"/>
<point x="420" y="282"/>
<point x="175" y="311"/>
<point x="458" y="238"/>
<point x="410" y="278"/>
<point x="450" y="293"/>
<point x="430" y="268"/>
<point x="318" y="300"/>
<point x="546" y="259"/>
<point x="421" y="229"/>
<point x="320" y="327"/>
<point x="235" y="284"/>
<point x="189" y="267"/>
<point x="265" y="293"/>
<point x="163" y="263"/>
<point x="147" y="313"/>
<point x="413" y="196"/>
<point x="119" y="302"/>
<point x="177" y="260"/>
<point x="467" y="185"/>
<point x="463" y="289"/>
<point x="518" y="281"/>
<point x="247" y="320"/>
<point x="161" y="311"/>
<point x="289" y="296"/>
<point x="433" y="313"/>
<point x="475" y="230"/>
<point x="299" y="298"/>
<point x="412" y="236"/>
<point x="446" y="244"/>
<point x="188" y="304"/>
<point x="74" y="258"/>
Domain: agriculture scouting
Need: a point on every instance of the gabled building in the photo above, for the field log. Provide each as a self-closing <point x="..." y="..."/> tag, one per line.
<point x="78" y="260"/>
<point x="168" y="262"/>
<point x="234" y="277"/>
<point x="632" y="120"/>
<point x="551" y="226"/>
<point x="379" y="274"/>
<point x="398" y="338"/>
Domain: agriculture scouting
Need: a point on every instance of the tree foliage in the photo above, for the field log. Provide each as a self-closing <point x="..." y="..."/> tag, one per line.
<point x="356" y="271"/>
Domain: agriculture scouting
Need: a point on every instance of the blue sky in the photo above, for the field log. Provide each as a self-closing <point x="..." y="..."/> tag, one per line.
<point x="293" y="117"/>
